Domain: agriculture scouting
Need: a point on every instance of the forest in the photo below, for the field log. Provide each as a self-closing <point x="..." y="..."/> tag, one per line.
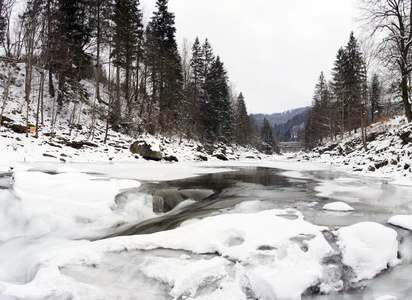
<point x="368" y="85"/>
<point x="152" y="86"/>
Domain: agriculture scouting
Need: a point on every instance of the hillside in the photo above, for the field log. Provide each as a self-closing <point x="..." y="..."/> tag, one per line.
<point x="277" y="118"/>
<point x="388" y="154"/>
<point x="286" y="126"/>
<point x="76" y="131"/>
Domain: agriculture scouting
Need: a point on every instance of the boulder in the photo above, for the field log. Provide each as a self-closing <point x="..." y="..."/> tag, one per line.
<point x="145" y="150"/>
<point x="221" y="156"/>
<point x="18" y="128"/>
<point x="170" y="158"/>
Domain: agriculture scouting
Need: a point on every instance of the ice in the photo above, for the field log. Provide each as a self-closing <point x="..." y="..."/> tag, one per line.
<point x="295" y="174"/>
<point x="338" y="206"/>
<point x="404" y="221"/>
<point x="368" y="248"/>
<point x="271" y="255"/>
<point x="386" y="297"/>
<point x="40" y="203"/>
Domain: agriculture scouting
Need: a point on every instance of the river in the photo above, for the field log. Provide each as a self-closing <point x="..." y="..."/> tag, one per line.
<point x="142" y="255"/>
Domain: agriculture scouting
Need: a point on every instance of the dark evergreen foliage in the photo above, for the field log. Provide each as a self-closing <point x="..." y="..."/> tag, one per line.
<point x="242" y="122"/>
<point x="217" y="113"/>
<point x="266" y="133"/>
<point x="166" y="72"/>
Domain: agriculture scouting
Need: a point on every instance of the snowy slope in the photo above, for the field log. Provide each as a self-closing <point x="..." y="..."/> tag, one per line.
<point x="388" y="154"/>
<point x="72" y="138"/>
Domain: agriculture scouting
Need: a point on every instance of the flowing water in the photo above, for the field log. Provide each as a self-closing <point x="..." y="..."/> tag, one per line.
<point x="373" y="200"/>
<point x="215" y="194"/>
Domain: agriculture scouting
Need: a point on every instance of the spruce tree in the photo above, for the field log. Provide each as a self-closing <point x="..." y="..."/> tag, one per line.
<point x="127" y="35"/>
<point x="340" y="88"/>
<point x="197" y="65"/>
<point x="242" y="122"/>
<point x="72" y="33"/>
<point x="196" y="83"/>
<point x="375" y="98"/>
<point x="208" y="59"/>
<point x="266" y="133"/>
<point x="356" y="82"/>
<point x="321" y="122"/>
<point x="166" y="69"/>
<point x="217" y="112"/>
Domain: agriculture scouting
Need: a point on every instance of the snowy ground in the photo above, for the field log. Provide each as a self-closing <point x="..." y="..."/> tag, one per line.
<point x="388" y="154"/>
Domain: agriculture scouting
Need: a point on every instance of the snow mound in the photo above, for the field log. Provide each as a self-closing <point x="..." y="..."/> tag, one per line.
<point x="338" y="206"/>
<point x="368" y="248"/>
<point x="404" y="221"/>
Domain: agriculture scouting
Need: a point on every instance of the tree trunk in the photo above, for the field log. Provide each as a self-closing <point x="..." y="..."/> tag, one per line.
<point x="39" y="102"/>
<point x="405" y="97"/>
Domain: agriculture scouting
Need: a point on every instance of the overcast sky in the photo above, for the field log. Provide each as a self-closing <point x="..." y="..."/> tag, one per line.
<point x="273" y="50"/>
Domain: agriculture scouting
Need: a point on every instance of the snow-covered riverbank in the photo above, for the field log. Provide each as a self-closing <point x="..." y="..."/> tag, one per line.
<point x="388" y="154"/>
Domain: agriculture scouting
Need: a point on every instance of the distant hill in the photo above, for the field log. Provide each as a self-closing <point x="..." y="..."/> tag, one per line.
<point x="287" y="126"/>
<point x="277" y="118"/>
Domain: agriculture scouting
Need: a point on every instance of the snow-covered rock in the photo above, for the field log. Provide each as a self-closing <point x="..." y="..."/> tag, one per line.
<point x="404" y="221"/>
<point x="368" y="248"/>
<point x="338" y="206"/>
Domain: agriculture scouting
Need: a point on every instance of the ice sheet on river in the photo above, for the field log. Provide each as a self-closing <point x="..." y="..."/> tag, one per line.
<point x="273" y="254"/>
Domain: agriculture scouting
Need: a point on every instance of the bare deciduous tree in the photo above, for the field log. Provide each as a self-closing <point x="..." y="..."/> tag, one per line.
<point x="392" y="19"/>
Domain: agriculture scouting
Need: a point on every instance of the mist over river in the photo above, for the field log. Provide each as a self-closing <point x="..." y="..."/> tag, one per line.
<point x="252" y="230"/>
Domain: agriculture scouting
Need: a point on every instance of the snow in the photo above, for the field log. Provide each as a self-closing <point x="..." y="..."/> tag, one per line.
<point x="404" y="221"/>
<point x="388" y="153"/>
<point x="386" y="297"/>
<point x="338" y="206"/>
<point x="368" y="248"/>
<point x="289" y="270"/>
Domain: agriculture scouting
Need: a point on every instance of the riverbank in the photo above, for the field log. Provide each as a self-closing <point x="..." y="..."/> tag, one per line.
<point x="388" y="154"/>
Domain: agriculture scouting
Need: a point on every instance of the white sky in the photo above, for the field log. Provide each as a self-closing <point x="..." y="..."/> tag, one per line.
<point x="273" y="50"/>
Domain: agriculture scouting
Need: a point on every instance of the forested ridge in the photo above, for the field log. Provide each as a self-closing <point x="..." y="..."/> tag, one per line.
<point x="143" y="83"/>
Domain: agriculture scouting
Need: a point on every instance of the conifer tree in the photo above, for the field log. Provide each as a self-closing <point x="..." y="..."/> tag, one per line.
<point x="266" y="133"/>
<point x="127" y="35"/>
<point x="242" y="122"/>
<point x="356" y="82"/>
<point x="320" y="122"/>
<point x="196" y="80"/>
<point x="72" y="35"/>
<point x="208" y="59"/>
<point x="197" y="65"/>
<point x="167" y="77"/>
<point x="217" y="110"/>
<point x="339" y="86"/>
<point x="375" y="97"/>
